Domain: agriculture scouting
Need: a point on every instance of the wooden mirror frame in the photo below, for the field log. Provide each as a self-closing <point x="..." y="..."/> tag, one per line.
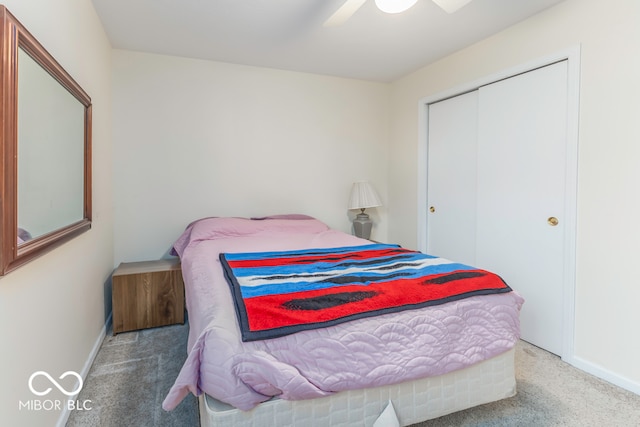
<point x="12" y="255"/>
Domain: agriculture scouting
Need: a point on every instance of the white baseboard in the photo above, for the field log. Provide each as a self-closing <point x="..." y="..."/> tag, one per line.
<point x="605" y="374"/>
<point x="64" y="415"/>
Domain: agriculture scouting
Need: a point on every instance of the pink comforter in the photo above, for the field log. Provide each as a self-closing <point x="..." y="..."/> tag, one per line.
<point x="358" y="354"/>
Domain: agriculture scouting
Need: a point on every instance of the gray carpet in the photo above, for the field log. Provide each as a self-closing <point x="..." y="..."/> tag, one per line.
<point x="551" y="393"/>
<point x="130" y="378"/>
<point x="133" y="372"/>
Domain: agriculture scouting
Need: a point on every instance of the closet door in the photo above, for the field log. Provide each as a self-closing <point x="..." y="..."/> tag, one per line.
<point x="520" y="192"/>
<point x="451" y="182"/>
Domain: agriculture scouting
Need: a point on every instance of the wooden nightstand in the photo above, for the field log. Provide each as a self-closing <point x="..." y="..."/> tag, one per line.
<point x="147" y="294"/>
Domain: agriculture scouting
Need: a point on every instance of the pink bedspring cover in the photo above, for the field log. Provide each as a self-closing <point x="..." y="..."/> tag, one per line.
<point x="363" y="353"/>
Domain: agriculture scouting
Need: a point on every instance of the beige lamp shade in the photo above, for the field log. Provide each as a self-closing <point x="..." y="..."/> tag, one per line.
<point x="363" y="196"/>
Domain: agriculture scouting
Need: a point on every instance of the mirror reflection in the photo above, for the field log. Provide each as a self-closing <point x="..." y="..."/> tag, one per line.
<point x="50" y="152"/>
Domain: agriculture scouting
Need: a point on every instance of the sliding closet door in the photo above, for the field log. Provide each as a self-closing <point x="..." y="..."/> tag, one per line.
<point x="521" y="182"/>
<point x="451" y="182"/>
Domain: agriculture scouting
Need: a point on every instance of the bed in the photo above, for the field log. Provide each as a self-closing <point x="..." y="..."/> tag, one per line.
<point x="420" y="361"/>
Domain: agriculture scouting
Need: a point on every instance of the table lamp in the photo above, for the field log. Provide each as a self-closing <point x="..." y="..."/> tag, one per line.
<point x="363" y="196"/>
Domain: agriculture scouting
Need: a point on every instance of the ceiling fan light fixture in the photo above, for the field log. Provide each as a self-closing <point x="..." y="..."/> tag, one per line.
<point x="394" y="6"/>
<point x="451" y="6"/>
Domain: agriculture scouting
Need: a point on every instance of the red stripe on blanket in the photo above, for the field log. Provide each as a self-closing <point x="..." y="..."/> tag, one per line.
<point x="310" y="259"/>
<point x="275" y="311"/>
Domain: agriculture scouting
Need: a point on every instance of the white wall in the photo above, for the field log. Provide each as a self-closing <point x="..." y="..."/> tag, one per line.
<point x="52" y="310"/>
<point x="196" y="138"/>
<point x="607" y="290"/>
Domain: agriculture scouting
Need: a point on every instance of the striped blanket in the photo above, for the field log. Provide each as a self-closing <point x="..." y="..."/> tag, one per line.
<point x="280" y="293"/>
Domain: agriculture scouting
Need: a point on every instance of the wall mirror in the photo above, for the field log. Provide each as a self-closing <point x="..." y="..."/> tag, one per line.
<point x="45" y="183"/>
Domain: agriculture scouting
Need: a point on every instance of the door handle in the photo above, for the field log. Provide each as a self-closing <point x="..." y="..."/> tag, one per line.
<point x="552" y="221"/>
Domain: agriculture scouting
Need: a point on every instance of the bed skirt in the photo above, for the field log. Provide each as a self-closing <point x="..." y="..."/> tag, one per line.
<point x="413" y="401"/>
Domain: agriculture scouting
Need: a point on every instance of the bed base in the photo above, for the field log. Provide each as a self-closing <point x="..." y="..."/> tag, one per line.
<point x="413" y="401"/>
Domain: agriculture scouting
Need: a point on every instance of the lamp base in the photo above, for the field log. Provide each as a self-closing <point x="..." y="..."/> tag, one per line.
<point x="362" y="226"/>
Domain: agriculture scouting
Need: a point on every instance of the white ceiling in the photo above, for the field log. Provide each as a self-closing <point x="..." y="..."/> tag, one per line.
<point x="288" y="34"/>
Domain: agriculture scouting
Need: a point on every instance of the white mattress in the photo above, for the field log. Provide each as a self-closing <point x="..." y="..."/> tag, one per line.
<point x="414" y="401"/>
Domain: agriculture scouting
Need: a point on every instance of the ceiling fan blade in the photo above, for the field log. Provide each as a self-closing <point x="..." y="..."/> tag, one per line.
<point x="344" y="12"/>
<point x="451" y="6"/>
